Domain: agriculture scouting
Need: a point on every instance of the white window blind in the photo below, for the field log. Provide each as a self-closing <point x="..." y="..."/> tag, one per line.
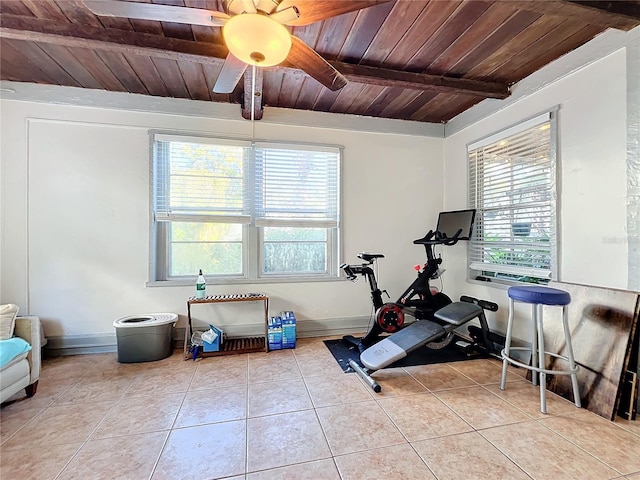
<point x="512" y="187"/>
<point x="200" y="182"/>
<point x="243" y="211"/>
<point x="296" y="186"/>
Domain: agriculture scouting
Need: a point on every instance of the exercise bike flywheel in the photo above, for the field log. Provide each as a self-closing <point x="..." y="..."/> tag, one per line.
<point x="390" y="317"/>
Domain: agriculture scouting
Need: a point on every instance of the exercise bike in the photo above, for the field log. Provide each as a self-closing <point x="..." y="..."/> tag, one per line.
<point x="419" y="300"/>
<point x="436" y="316"/>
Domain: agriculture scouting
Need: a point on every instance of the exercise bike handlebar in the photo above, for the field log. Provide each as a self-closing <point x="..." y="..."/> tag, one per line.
<point x="348" y="270"/>
<point x="438" y="238"/>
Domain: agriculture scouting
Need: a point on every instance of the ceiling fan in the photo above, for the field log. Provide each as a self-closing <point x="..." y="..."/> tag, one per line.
<point x="253" y="30"/>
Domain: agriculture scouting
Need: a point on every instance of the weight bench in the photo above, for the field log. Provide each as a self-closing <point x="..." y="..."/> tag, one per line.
<point x="400" y="344"/>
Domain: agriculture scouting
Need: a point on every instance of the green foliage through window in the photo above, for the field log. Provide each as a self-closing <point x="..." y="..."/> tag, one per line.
<point x="512" y="187"/>
<point x="214" y="198"/>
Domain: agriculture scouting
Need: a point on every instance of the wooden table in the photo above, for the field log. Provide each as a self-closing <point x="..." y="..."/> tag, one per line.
<point x="230" y="345"/>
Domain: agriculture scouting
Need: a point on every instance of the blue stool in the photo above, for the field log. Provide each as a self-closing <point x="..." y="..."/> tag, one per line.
<point x="537" y="297"/>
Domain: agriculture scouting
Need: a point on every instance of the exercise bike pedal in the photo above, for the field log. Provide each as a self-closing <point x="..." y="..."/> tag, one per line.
<point x="464" y="346"/>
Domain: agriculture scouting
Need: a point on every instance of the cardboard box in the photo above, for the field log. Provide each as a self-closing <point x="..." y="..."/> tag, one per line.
<point x="274" y="333"/>
<point x="288" y="320"/>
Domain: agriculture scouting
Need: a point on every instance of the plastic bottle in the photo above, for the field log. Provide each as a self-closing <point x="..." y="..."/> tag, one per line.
<point x="201" y="286"/>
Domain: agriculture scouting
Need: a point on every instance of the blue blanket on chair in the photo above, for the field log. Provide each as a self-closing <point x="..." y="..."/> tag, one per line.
<point x="11" y="348"/>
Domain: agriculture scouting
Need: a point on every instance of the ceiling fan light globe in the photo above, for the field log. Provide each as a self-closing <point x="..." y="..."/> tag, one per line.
<point x="256" y="39"/>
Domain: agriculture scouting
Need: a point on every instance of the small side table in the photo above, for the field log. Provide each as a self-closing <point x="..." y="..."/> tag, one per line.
<point x="231" y="345"/>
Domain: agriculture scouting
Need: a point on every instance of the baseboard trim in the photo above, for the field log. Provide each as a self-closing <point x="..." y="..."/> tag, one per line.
<point x="107" y="343"/>
<point x="80" y="345"/>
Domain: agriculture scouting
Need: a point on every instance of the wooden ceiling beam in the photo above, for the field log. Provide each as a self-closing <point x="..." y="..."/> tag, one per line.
<point x="420" y="81"/>
<point x="112" y="40"/>
<point x="621" y="14"/>
<point x="134" y="43"/>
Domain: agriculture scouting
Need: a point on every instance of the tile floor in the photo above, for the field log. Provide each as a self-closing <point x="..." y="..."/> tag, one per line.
<point x="293" y="414"/>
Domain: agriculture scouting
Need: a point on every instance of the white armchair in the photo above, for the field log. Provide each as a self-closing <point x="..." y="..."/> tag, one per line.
<point x="23" y="371"/>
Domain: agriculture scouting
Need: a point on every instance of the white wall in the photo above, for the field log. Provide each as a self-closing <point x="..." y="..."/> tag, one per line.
<point x="75" y="214"/>
<point x="74" y="193"/>
<point x="592" y="161"/>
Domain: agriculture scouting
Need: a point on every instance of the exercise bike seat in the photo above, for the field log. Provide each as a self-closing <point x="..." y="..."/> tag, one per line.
<point x="458" y="313"/>
<point x="367" y="257"/>
<point x="400" y="344"/>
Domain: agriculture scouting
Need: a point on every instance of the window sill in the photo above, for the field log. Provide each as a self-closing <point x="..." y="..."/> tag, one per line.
<point x="490" y="283"/>
<point x="502" y="283"/>
<point x="243" y="281"/>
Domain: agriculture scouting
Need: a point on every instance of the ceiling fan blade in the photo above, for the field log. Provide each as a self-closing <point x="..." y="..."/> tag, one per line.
<point x="314" y="11"/>
<point x="248" y="6"/>
<point x="232" y="70"/>
<point x="157" y="12"/>
<point x="266" y="6"/>
<point x="285" y="16"/>
<point x="236" y="7"/>
<point x="307" y="59"/>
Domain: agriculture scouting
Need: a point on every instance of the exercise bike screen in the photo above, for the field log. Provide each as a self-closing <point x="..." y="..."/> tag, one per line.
<point x="450" y="222"/>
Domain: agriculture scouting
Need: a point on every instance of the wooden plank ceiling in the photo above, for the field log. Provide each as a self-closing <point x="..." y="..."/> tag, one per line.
<point x="418" y="60"/>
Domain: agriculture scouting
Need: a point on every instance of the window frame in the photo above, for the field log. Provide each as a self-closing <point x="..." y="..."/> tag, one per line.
<point x="252" y="235"/>
<point x="474" y="270"/>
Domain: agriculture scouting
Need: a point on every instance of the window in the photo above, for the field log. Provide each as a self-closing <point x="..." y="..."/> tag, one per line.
<point x="243" y="211"/>
<point x="512" y="187"/>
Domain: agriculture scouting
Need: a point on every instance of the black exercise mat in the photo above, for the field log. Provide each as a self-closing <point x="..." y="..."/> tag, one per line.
<point x="344" y="351"/>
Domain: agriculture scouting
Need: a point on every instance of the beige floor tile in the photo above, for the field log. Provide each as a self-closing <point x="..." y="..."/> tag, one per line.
<point x="395" y="381"/>
<point x="206" y="451"/>
<point x="278" y="397"/>
<point x="285" y="439"/>
<point x="212" y="406"/>
<point x="121" y="458"/>
<point x="272" y="356"/>
<point x="318" y="470"/>
<point x="329" y="390"/>
<point x="218" y="372"/>
<point x="273" y="366"/>
<point x="601" y="438"/>
<point x="48" y="392"/>
<point x="322" y="363"/>
<point x="481" y="408"/>
<point x="61" y="424"/>
<point x="632" y="426"/>
<point x="526" y="397"/>
<point x="423" y="416"/>
<point x="485" y="371"/>
<point x="310" y="346"/>
<point x="355" y="427"/>
<point x="36" y="463"/>
<point x="140" y="414"/>
<point x="158" y="382"/>
<point x="108" y="365"/>
<point x="294" y="445"/>
<point x="95" y="389"/>
<point x="175" y="362"/>
<point x="467" y="456"/>
<point x="543" y="454"/>
<point x="398" y="462"/>
<point x="11" y="421"/>
<point x="71" y="367"/>
<point x="439" y="376"/>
